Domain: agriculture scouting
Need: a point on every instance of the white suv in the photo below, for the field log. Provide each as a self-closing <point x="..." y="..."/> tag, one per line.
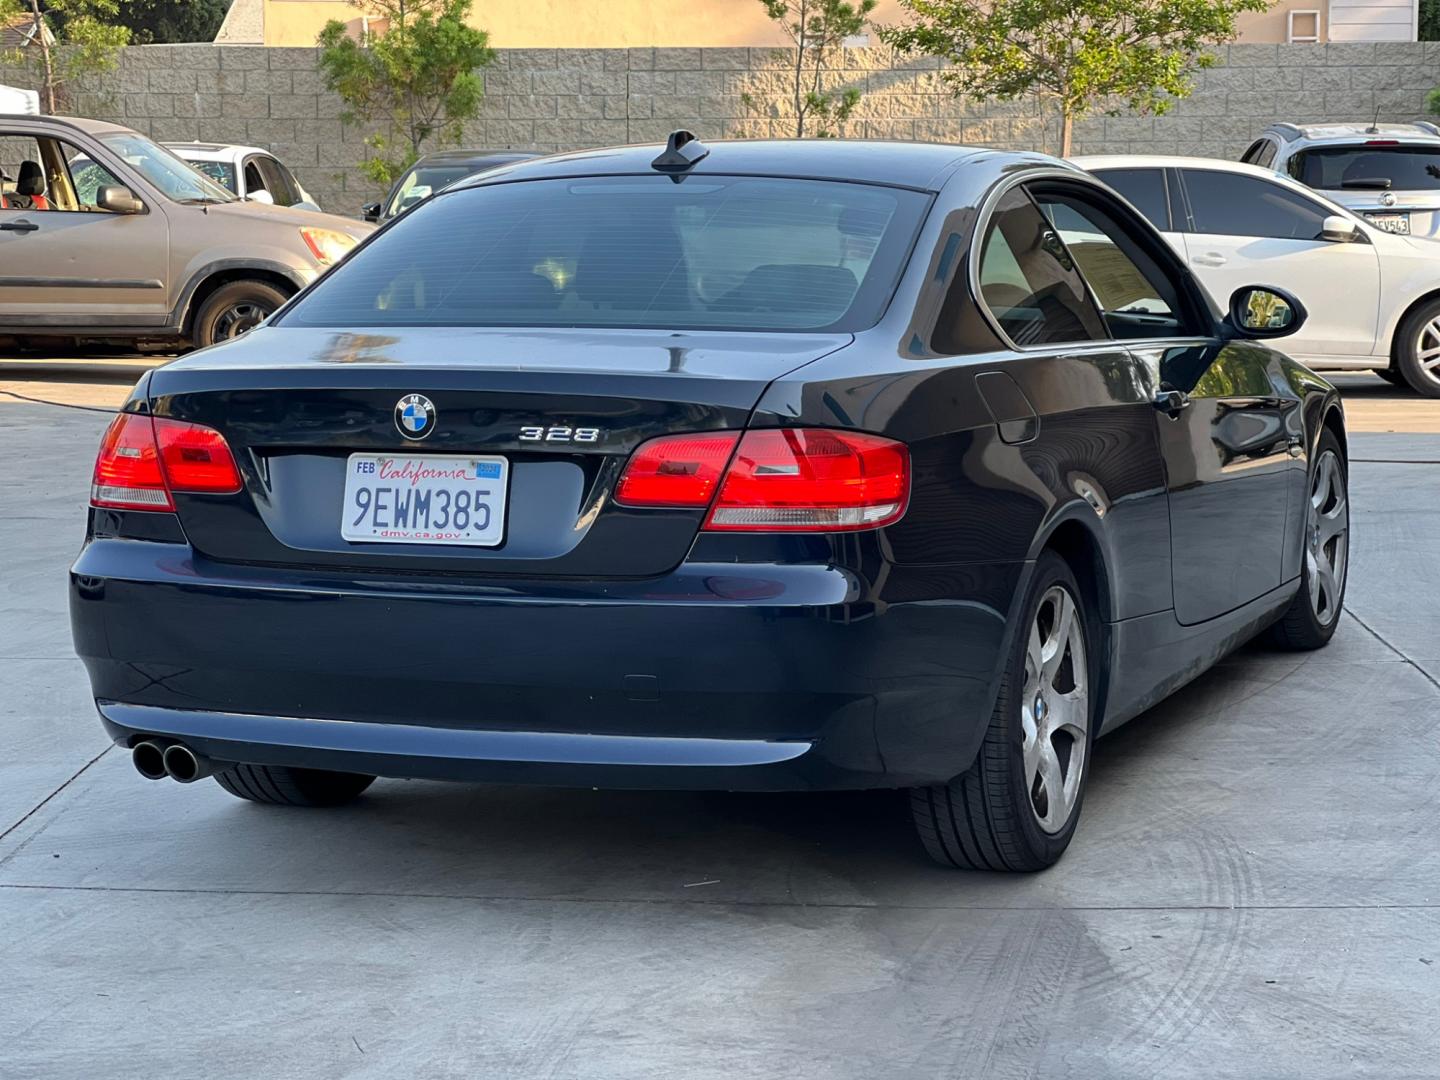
<point x="1387" y="173"/>
<point x="1373" y="297"/>
<point x="247" y="171"/>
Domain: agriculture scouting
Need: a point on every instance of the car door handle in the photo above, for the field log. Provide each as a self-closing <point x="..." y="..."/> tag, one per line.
<point x="1210" y="258"/>
<point x="18" y="226"/>
<point x="1171" y="402"/>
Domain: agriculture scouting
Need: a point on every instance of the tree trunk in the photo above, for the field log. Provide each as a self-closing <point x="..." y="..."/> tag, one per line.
<point x="42" y="42"/>
<point x="1067" y="123"/>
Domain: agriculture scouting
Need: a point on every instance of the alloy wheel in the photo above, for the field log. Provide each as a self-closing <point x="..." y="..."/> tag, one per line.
<point x="1427" y="350"/>
<point x="1327" y="538"/>
<point x="238" y="318"/>
<point x="1055" y="709"/>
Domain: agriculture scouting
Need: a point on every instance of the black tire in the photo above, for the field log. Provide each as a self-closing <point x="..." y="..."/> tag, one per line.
<point x="1423" y="381"/>
<point x="1392" y="376"/>
<point x="987" y="818"/>
<point x="279" y="785"/>
<point x="1303" y="627"/>
<point x="233" y="309"/>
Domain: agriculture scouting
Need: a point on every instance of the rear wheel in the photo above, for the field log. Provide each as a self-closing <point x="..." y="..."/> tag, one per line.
<point x="234" y="309"/>
<point x="1017" y="806"/>
<point x="279" y="785"/>
<point x="1417" y="349"/>
<point x="1312" y="616"/>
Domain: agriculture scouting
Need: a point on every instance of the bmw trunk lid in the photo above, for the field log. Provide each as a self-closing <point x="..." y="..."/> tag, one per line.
<point x="554" y="416"/>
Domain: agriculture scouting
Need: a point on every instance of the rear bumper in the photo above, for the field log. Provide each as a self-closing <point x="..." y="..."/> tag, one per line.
<point x="715" y="676"/>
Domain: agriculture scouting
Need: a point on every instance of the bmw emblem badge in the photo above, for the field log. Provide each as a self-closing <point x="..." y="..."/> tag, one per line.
<point x="414" y="416"/>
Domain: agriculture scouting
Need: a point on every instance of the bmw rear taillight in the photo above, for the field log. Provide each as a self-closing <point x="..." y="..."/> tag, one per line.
<point x="127" y="472"/>
<point x="196" y="459"/>
<point x="676" y="470"/>
<point x="143" y="460"/>
<point x="776" y="480"/>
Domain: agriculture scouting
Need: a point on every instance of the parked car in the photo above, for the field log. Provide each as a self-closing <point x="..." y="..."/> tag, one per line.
<point x="1373" y="297"/>
<point x="433" y="172"/>
<point x="765" y="465"/>
<point x="106" y="234"/>
<point x="1388" y="173"/>
<point x="246" y="171"/>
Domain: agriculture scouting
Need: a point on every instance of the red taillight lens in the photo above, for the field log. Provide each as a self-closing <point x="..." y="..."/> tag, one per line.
<point x="813" y="480"/>
<point x="676" y="470"/>
<point x="196" y="459"/>
<point x="139" y="455"/>
<point x="786" y="479"/>
<point x="127" y="472"/>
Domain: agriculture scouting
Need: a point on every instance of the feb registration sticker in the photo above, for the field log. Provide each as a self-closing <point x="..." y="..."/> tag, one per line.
<point x="425" y="499"/>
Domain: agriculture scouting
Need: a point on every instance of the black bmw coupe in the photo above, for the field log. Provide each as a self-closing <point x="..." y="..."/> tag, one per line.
<point x="765" y="465"/>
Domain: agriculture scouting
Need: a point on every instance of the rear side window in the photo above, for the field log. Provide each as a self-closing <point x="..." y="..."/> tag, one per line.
<point x="1261" y="152"/>
<point x="1368" y="168"/>
<point x="1029" y="280"/>
<point x="1229" y="204"/>
<point x="714" y="252"/>
<point x="1145" y="188"/>
<point x="276" y="182"/>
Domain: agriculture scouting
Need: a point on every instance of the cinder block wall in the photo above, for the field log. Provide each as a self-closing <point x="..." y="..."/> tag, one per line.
<point x="561" y="99"/>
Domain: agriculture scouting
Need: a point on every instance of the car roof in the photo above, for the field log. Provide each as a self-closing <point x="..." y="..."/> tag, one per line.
<point x="1091" y="162"/>
<point x="922" y="166"/>
<point x="1419" y="131"/>
<point x="441" y="157"/>
<point x="79" y="123"/>
<point x="215" y="151"/>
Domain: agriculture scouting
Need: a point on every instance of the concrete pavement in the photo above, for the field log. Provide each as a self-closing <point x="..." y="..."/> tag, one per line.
<point x="1254" y="891"/>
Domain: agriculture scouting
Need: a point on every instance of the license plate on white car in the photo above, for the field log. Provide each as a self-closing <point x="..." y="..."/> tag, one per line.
<point x="425" y="499"/>
<point x="1396" y="223"/>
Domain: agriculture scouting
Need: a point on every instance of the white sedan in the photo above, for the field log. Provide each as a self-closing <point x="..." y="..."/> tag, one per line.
<point x="247" y="171"/>
<point x="1373" y="297"/>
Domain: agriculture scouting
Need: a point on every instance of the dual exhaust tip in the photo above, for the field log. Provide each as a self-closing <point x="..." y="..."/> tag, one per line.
<point x="155" y="761"/>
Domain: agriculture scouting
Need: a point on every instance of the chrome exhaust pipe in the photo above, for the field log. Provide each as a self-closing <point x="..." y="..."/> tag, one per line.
<point x="185" y="766"/>
<point x="149" y="760"/>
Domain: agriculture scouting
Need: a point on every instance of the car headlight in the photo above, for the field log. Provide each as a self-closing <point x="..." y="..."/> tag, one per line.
<point x="327" y="245"/>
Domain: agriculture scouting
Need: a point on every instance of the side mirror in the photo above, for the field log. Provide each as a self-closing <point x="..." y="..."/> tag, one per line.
<point x="1263" y="311"/>
<point x="118" y="199"/>
<point x="370" y="211"/>
<point x="1339" y="230"/>
<point x="260" y="195"/>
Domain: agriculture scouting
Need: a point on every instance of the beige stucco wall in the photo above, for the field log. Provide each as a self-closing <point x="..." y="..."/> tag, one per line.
<point x="571" y="24"/>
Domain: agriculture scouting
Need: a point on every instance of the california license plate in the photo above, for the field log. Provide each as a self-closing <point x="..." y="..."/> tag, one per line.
<point x="1396" y="223"/>
<point x="425" y="499"/>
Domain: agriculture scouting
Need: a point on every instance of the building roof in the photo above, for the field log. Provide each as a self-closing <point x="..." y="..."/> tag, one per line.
<point x="244" y="24"/>
<point x="19" y="32"/>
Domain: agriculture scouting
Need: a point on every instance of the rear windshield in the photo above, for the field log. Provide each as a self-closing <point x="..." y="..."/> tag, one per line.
<point x="222" y="172"/>
<point x="1362" y="168"/>
<point x="723" y="253"/>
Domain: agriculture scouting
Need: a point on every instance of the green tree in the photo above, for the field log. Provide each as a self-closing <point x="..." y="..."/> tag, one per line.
<point x="816" y="29"/>
<point x="417" y="77"/>
<point x="85" y="42"/>
<point x="173" y="22"/>
<point x="1086" y="55"/>
<point x="1429" y="28"/>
